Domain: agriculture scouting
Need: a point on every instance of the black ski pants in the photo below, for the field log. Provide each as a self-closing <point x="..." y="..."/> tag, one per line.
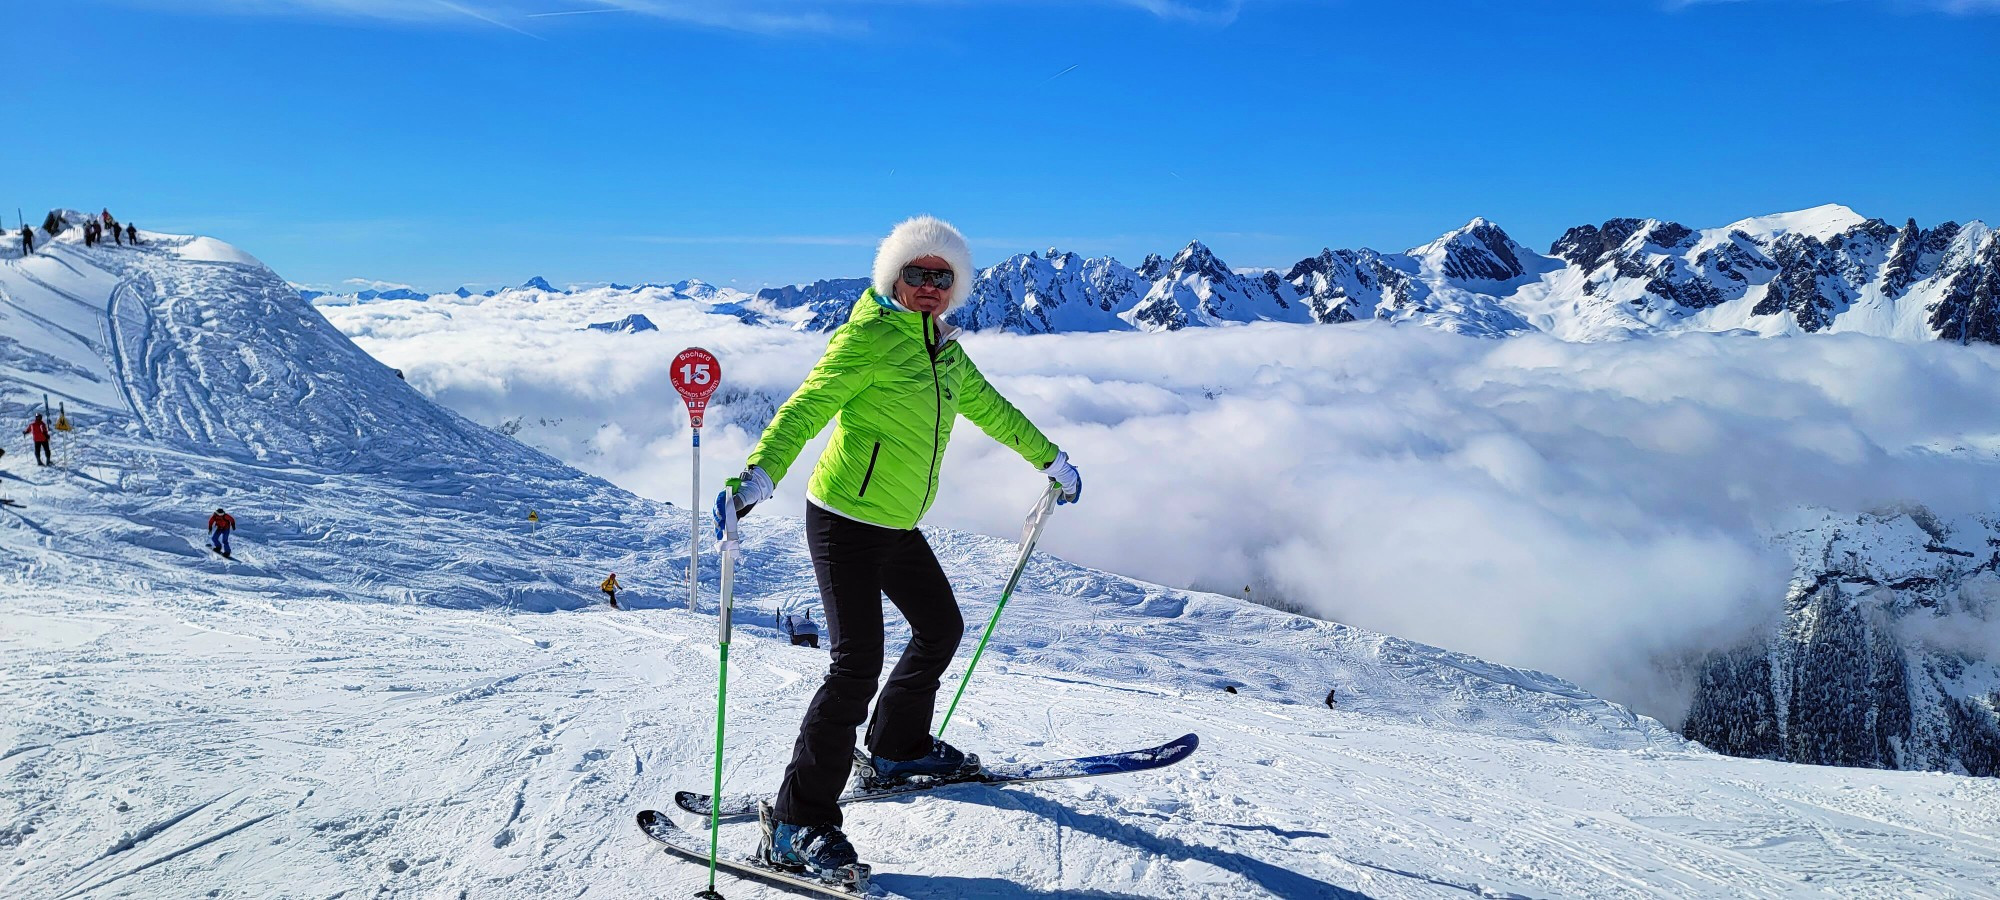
<point x="42" y="454"/>
<point x="856" y="564"/>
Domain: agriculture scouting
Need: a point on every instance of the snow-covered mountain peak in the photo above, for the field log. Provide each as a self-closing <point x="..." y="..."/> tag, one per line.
<point x="1196" y="259"/>
<point x="1477" y="251"/>
<point x="1822" y="222"/>
<point x="538" y="283"/>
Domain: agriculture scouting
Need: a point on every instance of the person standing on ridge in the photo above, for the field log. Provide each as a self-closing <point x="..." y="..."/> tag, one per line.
<point x="219" y="527"/>
<point x="90" y="233"/>
<point x="132" y="234"/>
<point x="118" y="234"/>
<point x="106" y="214"/>
<point x="610" y="589"/>
<point x="38" y="431"/>
<point x="1329" y="698"/>
<point x="27" y="240"/>
<point x="897" y="380"/>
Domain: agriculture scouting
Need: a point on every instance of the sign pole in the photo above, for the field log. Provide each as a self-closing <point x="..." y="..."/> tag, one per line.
<point x="694" y="523"/>
<point x="695" y="374"/>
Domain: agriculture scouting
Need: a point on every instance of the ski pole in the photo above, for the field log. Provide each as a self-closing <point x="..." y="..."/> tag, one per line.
<point x="728" y="547"/>
<point x="1037" y="517"/>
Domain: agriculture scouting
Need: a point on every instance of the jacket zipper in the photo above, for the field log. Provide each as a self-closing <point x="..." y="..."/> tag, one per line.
<point x="871" y="470"/>
<point x="937" y="418"/>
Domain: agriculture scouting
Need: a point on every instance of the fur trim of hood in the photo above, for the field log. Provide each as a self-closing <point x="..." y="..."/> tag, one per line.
<point x="917" y="238"/>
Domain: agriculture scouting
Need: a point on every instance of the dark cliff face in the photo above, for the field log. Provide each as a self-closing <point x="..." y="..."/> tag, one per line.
<point x="1847" y="678"/>
<point x="1796" y="290"/>
<point x="1968" y="311"/>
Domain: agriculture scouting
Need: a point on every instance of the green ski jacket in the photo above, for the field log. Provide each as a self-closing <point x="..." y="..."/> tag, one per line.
<point x="893" y="382"/>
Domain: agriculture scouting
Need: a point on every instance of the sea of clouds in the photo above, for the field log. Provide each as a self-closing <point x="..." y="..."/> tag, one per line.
<point x="1600" y="511"/>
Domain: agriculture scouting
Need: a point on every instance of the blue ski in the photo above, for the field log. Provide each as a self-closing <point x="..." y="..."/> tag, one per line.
<point x="1004" y="775"/>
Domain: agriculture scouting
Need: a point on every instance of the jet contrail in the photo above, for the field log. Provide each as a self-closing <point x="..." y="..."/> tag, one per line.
<point x="1061" y="73"/>
<point x="447" y="4"/>
<point x="574" y="12"/>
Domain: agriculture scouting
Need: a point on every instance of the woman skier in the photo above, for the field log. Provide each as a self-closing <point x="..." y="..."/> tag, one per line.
<point x="898" y="380"/>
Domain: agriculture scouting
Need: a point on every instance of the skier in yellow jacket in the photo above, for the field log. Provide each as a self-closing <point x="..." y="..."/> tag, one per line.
<point x="610" y="589"/>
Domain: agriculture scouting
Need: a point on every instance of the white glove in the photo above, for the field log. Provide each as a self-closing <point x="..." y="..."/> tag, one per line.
<point x="1066" y="477"/>
<point x="755" y="487"/>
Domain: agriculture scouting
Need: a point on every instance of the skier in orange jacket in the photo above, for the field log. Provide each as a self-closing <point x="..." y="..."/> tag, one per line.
<point x="219" y="527"/>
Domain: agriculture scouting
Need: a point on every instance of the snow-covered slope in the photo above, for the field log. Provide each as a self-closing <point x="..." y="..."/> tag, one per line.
<point x="400" y="685"/>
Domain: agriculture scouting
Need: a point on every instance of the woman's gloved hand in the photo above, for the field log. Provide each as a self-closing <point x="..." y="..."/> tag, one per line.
<point x="745" y="491"/>
<point x="1066" y="477"/>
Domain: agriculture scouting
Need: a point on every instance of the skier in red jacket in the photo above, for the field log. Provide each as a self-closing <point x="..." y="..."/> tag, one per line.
<point x="40" y="432"/>
<point x="219" y="527"/>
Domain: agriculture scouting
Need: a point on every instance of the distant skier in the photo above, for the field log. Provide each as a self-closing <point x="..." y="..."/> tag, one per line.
<point x="108" y="221"/>
<point x="1329" y="698"/>
<point x="27" y="240"/>
<point x="610" y="589"/>
<point x="90" y="233"/>
<point x="804" y="632"/>
<point x="219" y="527"/>
<point x="132" y="234"/>
<point x="897" y="379"/>
<point x="118" y="234"/>
<point x="38" y="431"/>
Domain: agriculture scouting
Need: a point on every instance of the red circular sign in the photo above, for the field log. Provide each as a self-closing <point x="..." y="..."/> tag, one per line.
<point x="696" y="374"/>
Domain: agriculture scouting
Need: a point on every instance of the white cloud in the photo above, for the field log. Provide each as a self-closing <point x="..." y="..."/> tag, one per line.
<point x="1588" y="509"/>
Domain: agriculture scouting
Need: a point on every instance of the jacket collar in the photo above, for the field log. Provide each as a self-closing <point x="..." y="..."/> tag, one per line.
<point x="872" y="305"/>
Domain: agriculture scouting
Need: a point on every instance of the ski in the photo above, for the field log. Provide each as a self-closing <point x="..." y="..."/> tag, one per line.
<point x="745" y="806"/>
<point x="694" y="848"/>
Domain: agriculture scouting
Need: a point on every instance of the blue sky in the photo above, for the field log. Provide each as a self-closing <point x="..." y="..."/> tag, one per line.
<point x="440" y="142"/>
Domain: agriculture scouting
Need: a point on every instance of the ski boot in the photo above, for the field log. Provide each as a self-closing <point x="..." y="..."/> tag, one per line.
<point x="945" y="763"/>
<point x="818" y="851"/>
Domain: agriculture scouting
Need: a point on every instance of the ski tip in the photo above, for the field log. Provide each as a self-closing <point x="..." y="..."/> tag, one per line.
<point x="652" y="819"/>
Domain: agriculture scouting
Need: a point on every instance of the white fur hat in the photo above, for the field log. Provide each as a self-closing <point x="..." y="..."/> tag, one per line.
<point x="917" y="238"/>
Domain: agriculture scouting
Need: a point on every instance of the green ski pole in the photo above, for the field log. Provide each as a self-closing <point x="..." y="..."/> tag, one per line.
<point x="728" y="546"/>
<point x="1037" y="517"/>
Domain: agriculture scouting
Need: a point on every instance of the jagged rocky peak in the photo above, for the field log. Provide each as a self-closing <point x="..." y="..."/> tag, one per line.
<point x="1153" y="267"/>
<point x="1478" y="251"/>
<point x="538" y="283"/>
<point x="1197" y="259"/>
<point x="1327" y="261"/>
<point x="1970" y="308"/>
<point x="1586" y="246"/>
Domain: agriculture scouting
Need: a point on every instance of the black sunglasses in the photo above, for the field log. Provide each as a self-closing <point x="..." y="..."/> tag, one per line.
<point x="918" y="276"/>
